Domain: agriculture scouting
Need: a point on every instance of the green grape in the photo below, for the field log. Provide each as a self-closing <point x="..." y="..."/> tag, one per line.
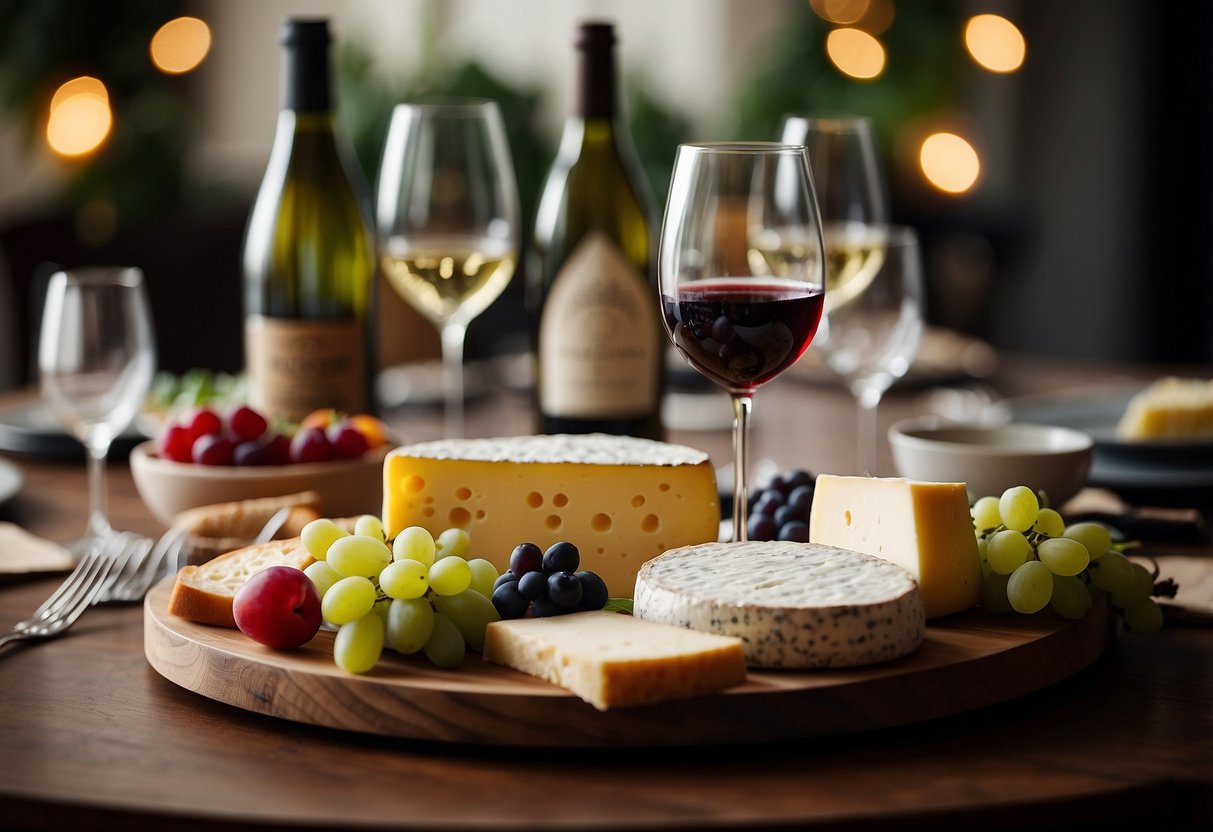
<point x="369" y="525"/>
<point x="1030" y="587"/>
<point x="348" y="600"/>
<point x="484" y="575"/>
<point x="470" y="612"/>
<point x="985" y="514"/>
<point x="358" y="554"/>
<point x="414" y="543"/>
<point x="1139" y="589"/>
<point x="994" y="593"/>
<point x="322" y="575"/>
<point x="319" y="535"/>
<point x="1062" y="555"/>
<point x="1094" y="536"/>
<point x="359" y="643"/>
<point x="1144" y="617"/>
<point x="454" y="542"/>
<point x="404" y="579"/>
<point x="1111" y="573"/>
<point x="1018" y="508"/>
<point x="1049" y="522"/>
<point x="409" y="624"/>
<point x="1070" y="597"/>
<point x="1006" y="551"/>
<point x="983" y="544"/>
<point x="381" y="609"/>
<point x="450" y="576"/>
<point x="445" y="646"/>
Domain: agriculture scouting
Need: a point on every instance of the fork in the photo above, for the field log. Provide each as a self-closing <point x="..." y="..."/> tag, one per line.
<point x="77" y="592"/>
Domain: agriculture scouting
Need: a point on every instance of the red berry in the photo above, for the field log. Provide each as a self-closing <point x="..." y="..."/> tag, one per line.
<point x="213" y="449"/>
<point x="348" y="442"/>
<point x="247" y="423"/>
<point x="311" y="445"/>
<point x="176" y="443"/>
<point x="202" y="421"/>
<point x="277" y="449"/>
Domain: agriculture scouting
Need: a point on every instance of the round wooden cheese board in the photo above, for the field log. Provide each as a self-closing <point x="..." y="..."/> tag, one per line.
<point x="968" y="661"/>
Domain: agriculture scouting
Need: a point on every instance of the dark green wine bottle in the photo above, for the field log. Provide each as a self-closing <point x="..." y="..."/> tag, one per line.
<point x="309" y="258"/>
<point x="591" y="288"/>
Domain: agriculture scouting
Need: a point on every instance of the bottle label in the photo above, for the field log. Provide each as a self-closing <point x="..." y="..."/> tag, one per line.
<point x="295" y="367"/>
<point x="598" y="338"/>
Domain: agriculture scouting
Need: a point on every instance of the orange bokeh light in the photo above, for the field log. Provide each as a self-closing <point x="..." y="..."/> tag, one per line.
<point x="855" y="53"/>
<point x="995" y="43"/>
<point x="80" y="117"/>
<point x="949" y="162"/>
<point x="180" y="45"/>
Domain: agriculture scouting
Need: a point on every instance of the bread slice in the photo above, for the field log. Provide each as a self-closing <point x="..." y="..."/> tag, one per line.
<point x="205" y="593"/>
<point x="222" y="527"/>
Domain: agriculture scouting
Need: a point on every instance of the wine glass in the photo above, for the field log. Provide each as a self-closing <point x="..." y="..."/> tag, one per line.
<point x="870" y="339"/>
<point x="96" y="359"/>
<point x="741" y="272"/>
<point x="448" y="221"/>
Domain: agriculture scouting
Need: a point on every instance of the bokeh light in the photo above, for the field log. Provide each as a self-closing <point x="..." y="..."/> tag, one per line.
<point x="180" y="45"/>
<point x="995" y="43"/>
<point x="949" y="162"/>
<point x="80" y="117"/>
<point x="842" y="12"/>
<point x="855" y="53"/>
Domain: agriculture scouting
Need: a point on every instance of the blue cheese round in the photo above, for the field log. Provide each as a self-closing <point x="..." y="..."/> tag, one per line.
<point x="793" y="605"/>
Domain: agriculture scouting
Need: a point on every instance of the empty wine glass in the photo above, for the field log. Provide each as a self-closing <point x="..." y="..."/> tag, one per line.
<point x="448" y="221"/>
<point x="96" y="359"/>
<point x="741" y="274"/>
<point x="869" y="340"/>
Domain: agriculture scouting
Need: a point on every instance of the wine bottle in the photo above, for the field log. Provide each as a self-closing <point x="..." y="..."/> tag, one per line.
<point x="591" y="287"/>
<point x="309" y="258"/>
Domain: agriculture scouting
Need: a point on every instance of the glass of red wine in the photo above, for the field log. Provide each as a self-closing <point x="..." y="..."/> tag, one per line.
<point x="741" y="271"/>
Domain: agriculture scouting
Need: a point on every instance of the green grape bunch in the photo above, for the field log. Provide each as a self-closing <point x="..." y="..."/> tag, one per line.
<point x="412" y="594"/>
<point x="1030" y="559"/>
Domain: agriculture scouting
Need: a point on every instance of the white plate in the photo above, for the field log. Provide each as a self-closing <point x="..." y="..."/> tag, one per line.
<point x="11" y="480"/>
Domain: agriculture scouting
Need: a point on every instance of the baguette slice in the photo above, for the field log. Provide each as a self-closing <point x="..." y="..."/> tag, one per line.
<point x="205" y="593"/>
<point x="242" y="519"/>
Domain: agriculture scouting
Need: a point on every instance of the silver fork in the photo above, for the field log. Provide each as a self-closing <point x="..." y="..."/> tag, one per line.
<point x="76" y="593"/>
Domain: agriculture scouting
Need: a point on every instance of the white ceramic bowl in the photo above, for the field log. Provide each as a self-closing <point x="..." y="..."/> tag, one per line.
<point x="992" y="459"/>
<point x="346" y="486"/>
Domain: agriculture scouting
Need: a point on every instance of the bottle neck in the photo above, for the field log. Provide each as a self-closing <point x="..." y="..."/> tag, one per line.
<point x="306" y="86"/>
<point x="596" y="93"/>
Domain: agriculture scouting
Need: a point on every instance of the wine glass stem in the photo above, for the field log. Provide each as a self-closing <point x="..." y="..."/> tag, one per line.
<point x="98" y="515"/>
<point x="453" y="336"/>
<point x="867" y="431"/>
<point x="742" y="404"/>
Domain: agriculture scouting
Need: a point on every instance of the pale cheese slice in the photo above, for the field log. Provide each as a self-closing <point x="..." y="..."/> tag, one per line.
<point x="923" y="527"/>
<point x="620" y="500"/>
<point x="612" y="660"/>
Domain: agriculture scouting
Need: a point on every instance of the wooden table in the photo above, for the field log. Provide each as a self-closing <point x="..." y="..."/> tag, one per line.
<point x="92" y="737"/>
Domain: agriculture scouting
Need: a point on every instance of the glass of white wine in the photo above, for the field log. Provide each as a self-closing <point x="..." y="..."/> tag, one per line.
<point x="96" y="359"/>
<point x="447" y="218"/>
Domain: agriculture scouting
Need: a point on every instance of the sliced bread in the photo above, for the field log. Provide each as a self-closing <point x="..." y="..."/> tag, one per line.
<point x="205" y="593"/>
<point x="222" y="527"/>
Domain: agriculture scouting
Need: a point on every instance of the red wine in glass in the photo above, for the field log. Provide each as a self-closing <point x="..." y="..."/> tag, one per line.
<point x="742" y="332"/>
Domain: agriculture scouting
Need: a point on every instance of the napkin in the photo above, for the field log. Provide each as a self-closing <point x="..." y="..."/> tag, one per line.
<point x="23" y="553"/>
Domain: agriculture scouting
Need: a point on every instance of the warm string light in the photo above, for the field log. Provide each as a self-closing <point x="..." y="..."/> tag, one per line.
<point x="995" y="43"/>
<point x="80" y="117"/>
<point x="180" y="45"/>
<point x="949" y="162"/>
<point x="855" y="53"/>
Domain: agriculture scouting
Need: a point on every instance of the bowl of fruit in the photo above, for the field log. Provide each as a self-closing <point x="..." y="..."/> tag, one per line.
<point x="204" y="456"/>
<point x="992" y="459"/>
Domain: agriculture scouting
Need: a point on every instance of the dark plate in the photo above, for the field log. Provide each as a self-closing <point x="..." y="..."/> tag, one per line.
<point x="32" y="430"/>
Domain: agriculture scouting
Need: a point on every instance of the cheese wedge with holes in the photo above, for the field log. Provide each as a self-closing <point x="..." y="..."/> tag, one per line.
<point x="612" y="660"/>
<point x="620" y="500"/>
<point x="793" y="605"/>
<point x="923" y="527"/>
<point x="205" y="593"/>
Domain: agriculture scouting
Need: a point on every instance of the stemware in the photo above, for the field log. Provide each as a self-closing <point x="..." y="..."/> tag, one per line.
<point x="447" y="218"/>
<point x="96" y="359"/>
<point x="741" y="272"/>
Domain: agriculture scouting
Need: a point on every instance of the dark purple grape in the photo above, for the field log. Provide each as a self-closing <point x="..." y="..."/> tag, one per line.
<point x="769" y="503"/>
<point x="564" y="589"/>
<point x="787" y="514"/>
<point x="798" y="478"/>
<point x="760" y="527"/>
<point x="796" y="531"/>
<point x="594" y="593"/>
<point x="544" y="607"/>
<point x="722" y="329"/>
<point x="561" y="557"/>
<point x="526" y="557"/>
<point x="533" y="585"/>
<point x="801" y="499"/>
<point x="506" y="577"/>
<point x="509" y="602"/>
<point x="778" y="484"/>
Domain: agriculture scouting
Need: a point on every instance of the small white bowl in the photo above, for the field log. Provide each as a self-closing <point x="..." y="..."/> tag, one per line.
<point x="992" y="459"/>
<point x="346" y="486"/>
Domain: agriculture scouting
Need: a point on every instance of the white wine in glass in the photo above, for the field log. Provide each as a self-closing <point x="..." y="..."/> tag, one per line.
<point x="96" y="359"/>
<point x="447" y="218"/>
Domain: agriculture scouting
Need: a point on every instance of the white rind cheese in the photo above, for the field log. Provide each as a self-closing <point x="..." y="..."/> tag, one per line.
<point x="793" y="605"/>
<point x="586" y="449"/>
